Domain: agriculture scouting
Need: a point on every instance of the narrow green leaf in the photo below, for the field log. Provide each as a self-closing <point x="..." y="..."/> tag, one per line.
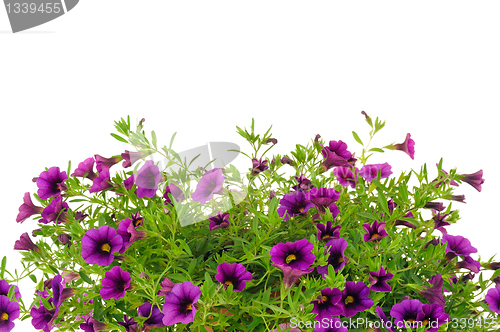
<point x="153" y="139"/>
<point x="2" y="269"/>
<point x="356" y="137"/>
<point x="376" y="150"/>
<point x="119" y="138"/>
<point x="32" y="277"/>
<point x="85" y="278"/>
<point x="12" y="290"/>
<point x="172" y="141"/>
<point x="69" y="167"/>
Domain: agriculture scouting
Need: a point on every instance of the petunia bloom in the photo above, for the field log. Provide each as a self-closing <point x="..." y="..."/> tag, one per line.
<point x="154" y="313"/>
<point x="291" y="275"/>
<point x="324" y="198"/>
<point x="129" y="158"/>
<point x="405" y="313"/>
<point x="9" y="311"/>
<point x="115" y="283"/>
<point x="147" y="179"/>
<point x="332" y="160"/>
<point x="431" y="316"/>
<point x="408" y="146"/>
<point x="474" y="179"/>
<point x="345" y="176"/>
<point x="327" y="304"/>
<point x="383" y="320"/>
<point x="434" y="294"/>
<point x="166" y="287"/>
<point x="326" y="233"/>
<point x="105" y="163"/>
<point x="128" y="183"/>
<point x="221" y="220"/>
<point x="258" y="166"/>
<point x="50" y="183"/>
<point x="493" y="299"/>
<point x="175" y="192"/>
<point x="55" y="212"/>
<point x="355" y="298"/>
<point x="129" y="324"/>
<point x="126" y="229"/>
<point x="5" y="287"/>
<point x="304" y="183"/>
<point x="27" y="209"/>
<point x="92" y="325"/>
<point x="336" y="248"/>
<point x="369" y="172"/>
<point x="470" y="264"/>
<point x="180" y="303"/>
<point x="375" y="232"/>
<point x="98" y="245"/>
<point x="378" y="280"/>
<point x="457" y="246"/>
<point x="209" y="184"/>
<point x="293" y="204"/>
<point x="101" y="182"/>
<point x="233" y="274"/>
<point x="435" y="206"/>
<point x="297" y="255"/>
<point x="25" y="243"/>
<point x="85" y="167"/>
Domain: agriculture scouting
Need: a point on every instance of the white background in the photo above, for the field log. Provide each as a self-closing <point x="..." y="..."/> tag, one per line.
<point x="202" y="67"/>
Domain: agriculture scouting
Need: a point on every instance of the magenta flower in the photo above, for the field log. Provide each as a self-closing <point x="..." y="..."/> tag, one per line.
<point x="85" y="167"/>
<point x="92" y="325"/>
<point x="129" y="158"/>
<point x="176" y="193"/>
<point x="25" y="243"/>
<point x="155" y="319"/>
<point x="5" y="287"/>
<point x="297" y="255"/>
<point x="147" y="179"/>
<point x="332" y="160"/>
<point x="64" y="239"/>
<point x="27" y="209"/>
<point x="457" y="246"/>
<point x="210" y="183"/>
<point x="470" y="264"/>
<point x="355" y="298"/>
<point x="115" y="283"/>
<point x="327" y="304"/>
<point x="41" y="317"/>
<point x="180" y="303"/>
<point x="323" y="198"/>
<point x="408" y="146"/>
<point x="98" y="245"/>
<point x="405" y="313"/>
<point x="129" y="324"/>
<point x="291" y="275"/>
<point x="439" y="220"/>
<point x="375" y="232"/>
<point x="293" y="204"/>
<point x="101" y="182"/>
<point x="434" y="294"/>
<point x="304" y="184"/>
<point x="378" y="280"/>
<point x="326" y="233"/>
<point x="258" y="166"/>
<point x="233" y="274"/>
<point x="50" y="183"/>
<point x="128" y="183"/>
<point x="336" y="248"/>
<point x="9" y="311"/>
<point x="474" y="179"/>
<point x="105" y="163"/>
<point x="339" y="148"/>
<point x="55" y="212"/>
<point x="369" y="172"/>
<point x="493" y="299"/>
<point x="221" y="220"/>
<point x="435" y="206"/>
<point x="431" y="316"/>
<point x="166" y="287"/>
<point x="383" y="320"/>
<point x="345" y="176"/>
<point x="126" y="229"/>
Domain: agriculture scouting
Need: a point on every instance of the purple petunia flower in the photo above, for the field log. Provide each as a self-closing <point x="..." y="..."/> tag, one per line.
<point x="405" y="313"/>
<point x="25" y="243"/>
<point x="115" y="283"/>
<point x="470" y="264"/>
<point x="176" y="193"/>
<point x="64" y="239"/>
<point x="457" y="246"/>
<point x="85" y="167"/>
<point x="355" y="298"/>
<point x="293" y="204"/>
<point x="128" y="183"/>
<point x="439" y="220"/>
<point x="98" y="245"/>
<point x="434" y="294"/>
<point x="126" y="229"/>
<point x="383" y="319"/>
<point x="304" y="184"/>
<point x="408" y="224"/>
<point x="332" y="160"/>
<point x="435" y="206"/>
<point x="5" y="287"/>
<point x="493" y="299"/>
<point x="474" y="179"/>
<point x="154" y="313"/>
<point x="258" y="166"/>
<point x="27" y="209"/>
<point x="431" y="316"/>
<point x="291" y="275"/>
<point x="375" y="232"/>
<point x="221" y="220"/>
<point x="105" y="163"/>
<point x="378" y="280"/>
<point x="129" y="158"/>
<point x="92" y="325"/>
<point x="298" y="255"/>
<point x="408" y="146"/>
<point x="51" y="183"/>
<point x="180" y="305"/>
<point x="326" y="233"/>
<point x="147" y="179"/>
<point x="9" y="311"/>
<point x="369" y="172"/>
<point x="336" y="248"/>
<point x="233" y="274"/>
<point x="210" y="183"/>
<point x="55" y="212"/>
<point x="41" y="317"/>
<point x="327" y="304"/>
<point x="101" y="182"/>
<point x="339" y="148"/>
<point x="345" y="176"/>
<point x="59" y="292"/>
<point x="129" y="324"/>
<point x="452" y="182"/>
<point x="166" y="287"/>
<point x="324" y="198"/>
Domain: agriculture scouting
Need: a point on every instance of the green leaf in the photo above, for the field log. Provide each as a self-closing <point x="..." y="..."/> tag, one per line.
<point x="32" y="277"/>
<point x="119" y="138"/>
<point x="153" y="139"/>
<point x="2" y="269"/>
<point x="172" y="140"/>
<point x="85" y="278"/>
<point x="376" y="150"/>
<point x="356" y="137"/>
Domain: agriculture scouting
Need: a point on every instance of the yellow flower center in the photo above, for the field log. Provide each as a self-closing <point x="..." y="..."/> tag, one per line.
<point x="228" y="282"/>
<point x="189" y="306"/>
<point x="290" y="258"/>
<point x="411" y="320"/>
<point x="375" y="278"/>
<point x="425" y="322"/>
<point x="137" y="222"/>
<point x="301" y="209"/>
<point x="326" y="236"/>
<point x="4" y="316"/>
<point x="340" y="260"/>
<point x="349" y="299"/>
<point x="106" y="247"/>
<point x="324" y="298"/>
<point x="374" y="236"/>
